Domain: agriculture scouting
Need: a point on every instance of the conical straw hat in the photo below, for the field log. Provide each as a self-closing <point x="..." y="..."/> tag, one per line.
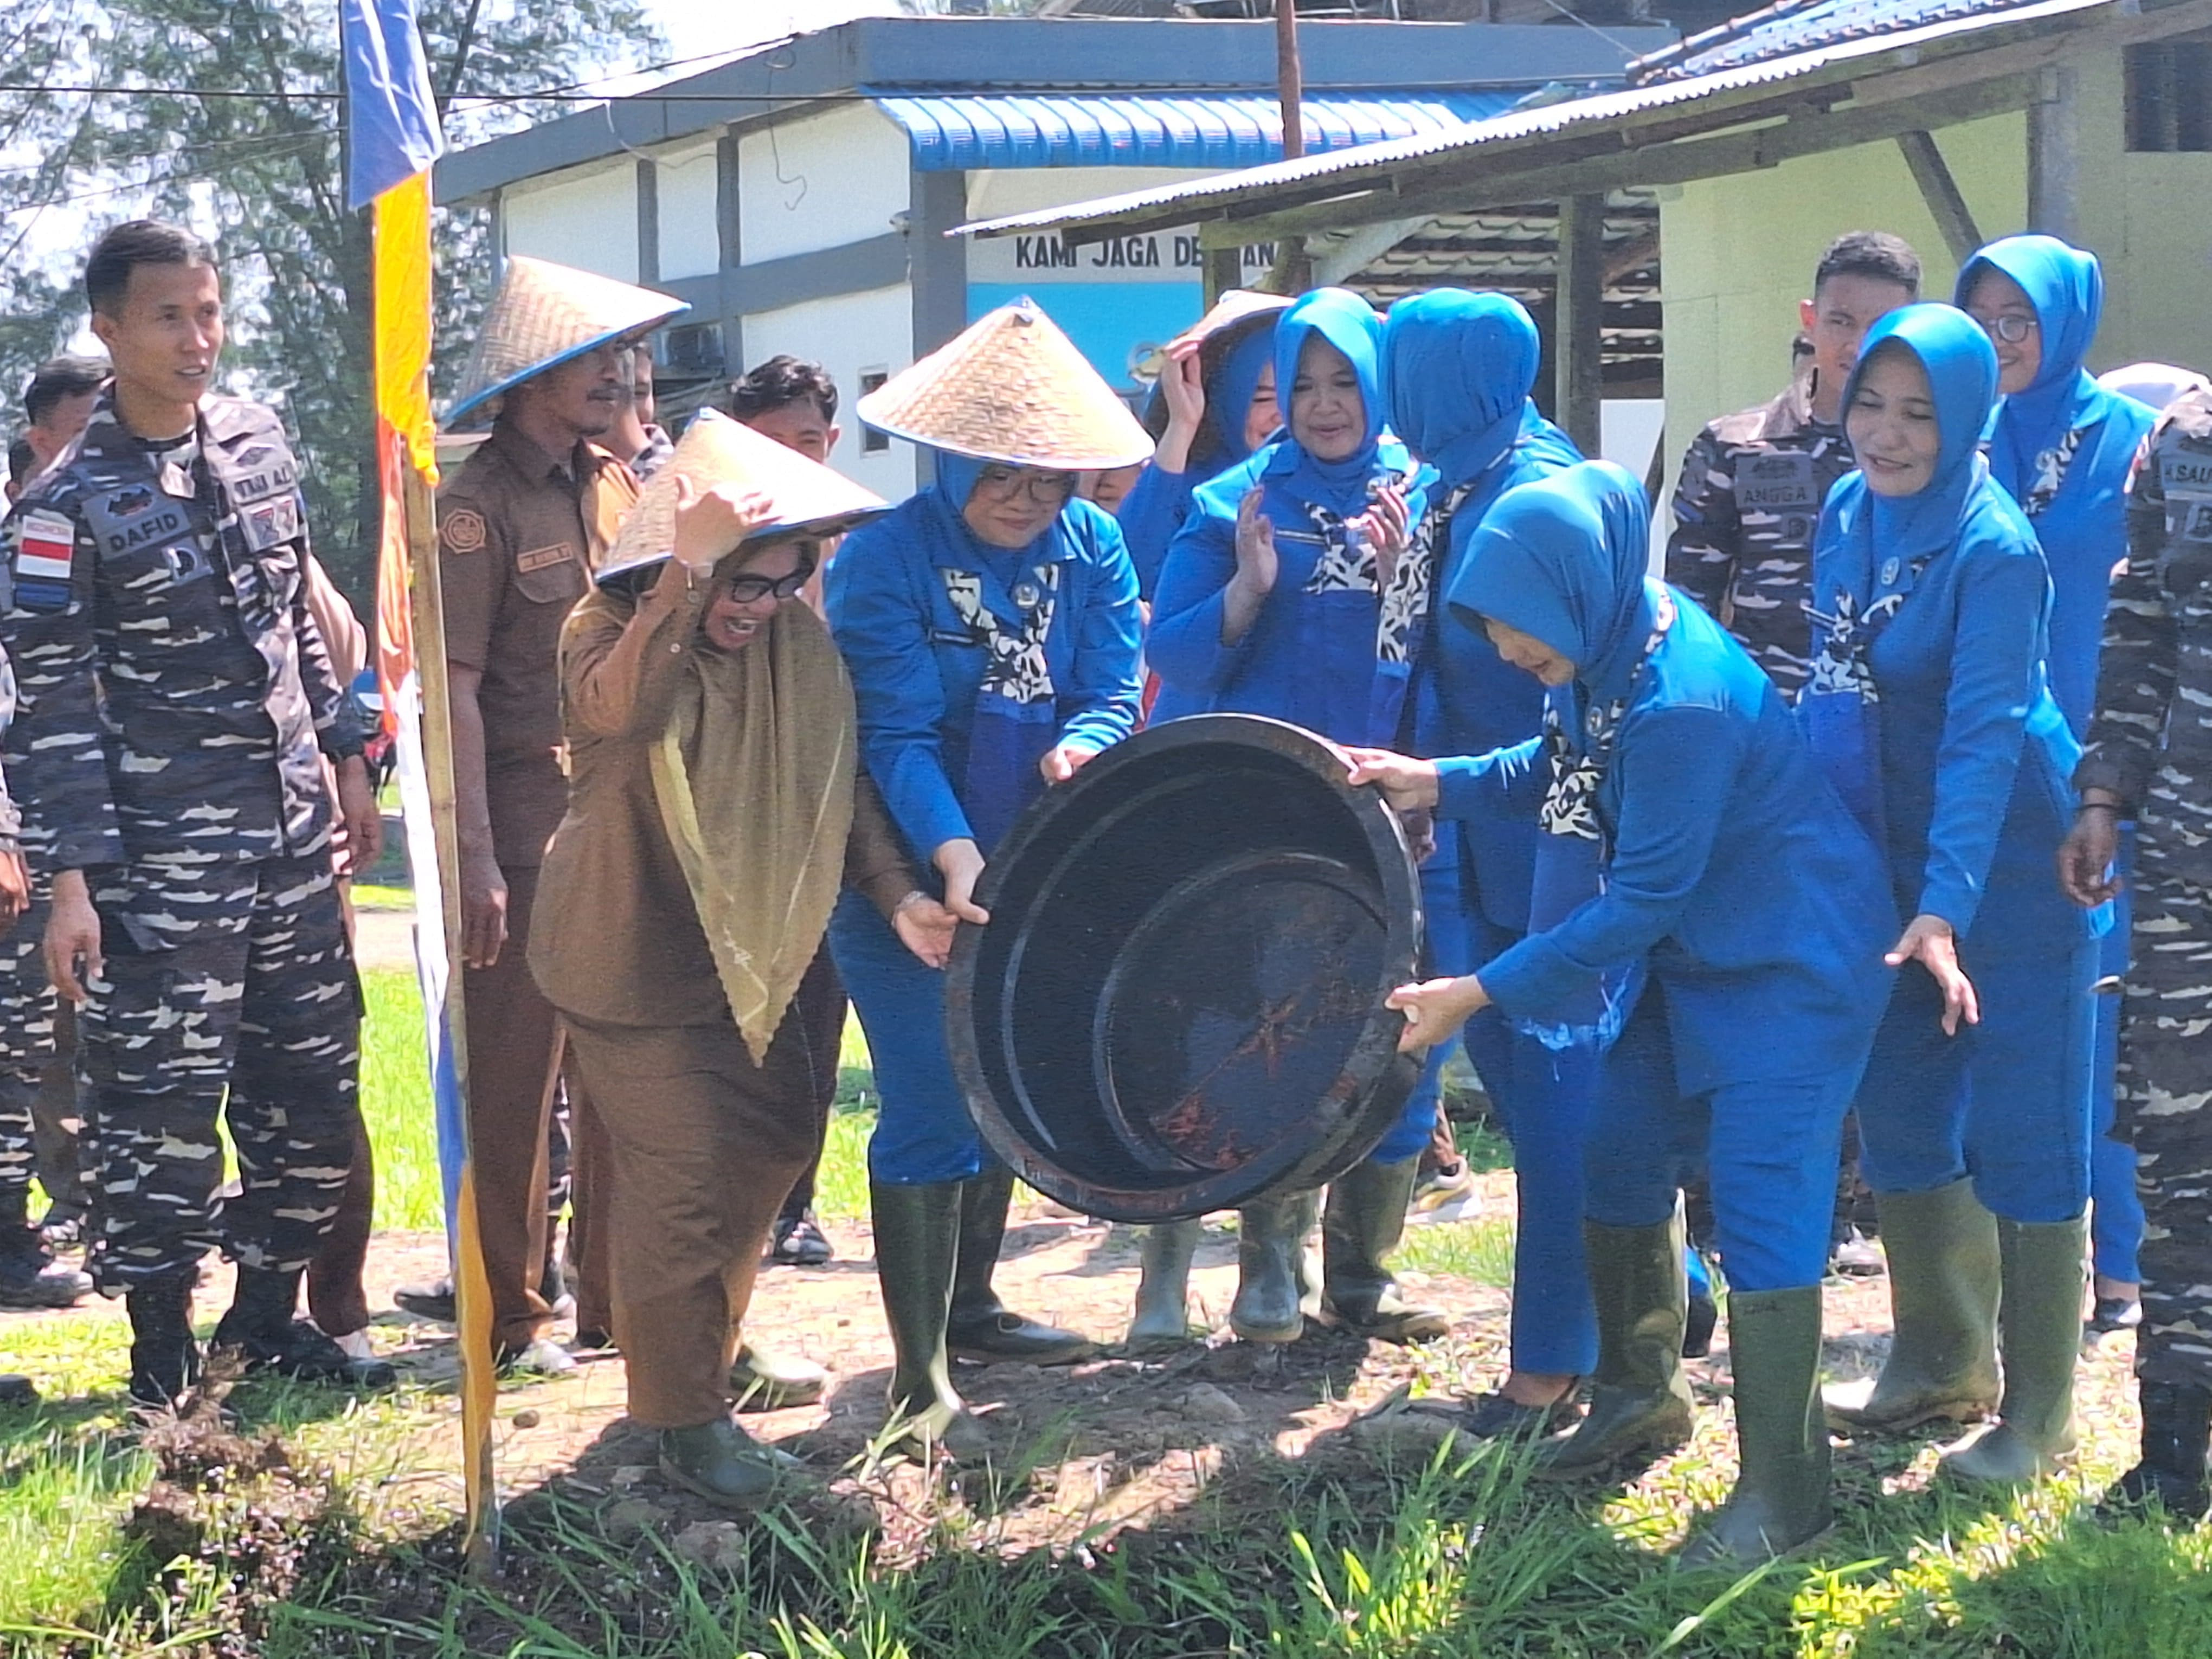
<point x="544" y="314"/>
<point x="1010" y="387"/>
<point x="808" y="497"/>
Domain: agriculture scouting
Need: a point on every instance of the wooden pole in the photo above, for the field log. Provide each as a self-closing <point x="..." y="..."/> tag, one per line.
<point x="2054" y="154"/>
<point x="1577" y="322"/>
<point x="1939" y="189"/>
<point x="1290" y="79"/>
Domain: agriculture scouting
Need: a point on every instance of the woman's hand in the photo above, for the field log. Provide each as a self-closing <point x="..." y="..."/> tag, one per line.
<point x="961" y="863"/>
<point x="926" y="927"/>
<point x="1063" y="761"/>
<point x="2086" y="855"/>
<point x="1407" y="784"/>
<point x="1435" y="1009"/>
<point x="1929" y="941"/>
<point x="1388" y="527"/>
<point x="710" y="524"/>
<point x="1184" y="388"/>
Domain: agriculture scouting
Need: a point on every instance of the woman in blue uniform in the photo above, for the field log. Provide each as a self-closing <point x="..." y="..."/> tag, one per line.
<point x="2062" y="445"/>
<point x="990" y="624"/>
<point x="1929" y="708"/>
<point x="1458" y="369"/>
<point x="1760" y="909"/>
<point x="1299" y="588"/>
<point x="1218" y="391"/>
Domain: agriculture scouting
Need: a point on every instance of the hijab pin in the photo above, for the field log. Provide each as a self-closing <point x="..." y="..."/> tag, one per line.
<point x="1889" y="572"/>
<point x="1026" y="595"/>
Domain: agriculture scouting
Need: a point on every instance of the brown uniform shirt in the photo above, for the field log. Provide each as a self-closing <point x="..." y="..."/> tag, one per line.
<point x="518" y="534"/>
<point x="615" y="935"/>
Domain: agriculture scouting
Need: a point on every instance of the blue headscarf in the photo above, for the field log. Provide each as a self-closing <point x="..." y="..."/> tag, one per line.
<point x="2066" y="287"/>
<point x="1457" y="370"/>
<point x="1564" y="560"/>
<point x="1348" y="323"/>
<point x="957" y="475"/>
<point x="1962" y="376"/>
<point x="1228" y="396"/>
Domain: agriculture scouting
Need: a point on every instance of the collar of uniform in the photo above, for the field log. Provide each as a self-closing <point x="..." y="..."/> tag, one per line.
<point x="1792" y="412"/>
<point x="539" y="464"/>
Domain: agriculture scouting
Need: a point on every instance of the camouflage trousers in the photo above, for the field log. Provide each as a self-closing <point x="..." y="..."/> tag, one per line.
<point x="228" y="975"/>
<point x="2165" y="1086"/>
<point x="26" y="1046"/>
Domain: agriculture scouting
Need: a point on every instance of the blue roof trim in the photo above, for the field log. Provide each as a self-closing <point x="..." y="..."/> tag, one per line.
<point x="1215" y="130"/>
<point x="1796" y="26"/>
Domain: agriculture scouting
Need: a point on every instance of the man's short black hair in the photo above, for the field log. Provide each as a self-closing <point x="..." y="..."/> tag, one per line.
<point x="123" y="248"/>
<point x="1871" y="253"/>
<point x="59" y="377"/>
<point x="782" y="380"/>
<point x="21" y="458"/>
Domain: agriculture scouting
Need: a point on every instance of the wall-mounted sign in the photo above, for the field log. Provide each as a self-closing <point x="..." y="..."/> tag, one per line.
<point x="1164" y="256"/>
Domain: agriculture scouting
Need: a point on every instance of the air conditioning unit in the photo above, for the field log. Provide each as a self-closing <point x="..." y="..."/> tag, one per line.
<point x="694" y="349"/>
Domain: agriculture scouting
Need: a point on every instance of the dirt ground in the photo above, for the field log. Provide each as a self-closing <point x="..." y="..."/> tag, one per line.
<point x="1119" y="1441"/>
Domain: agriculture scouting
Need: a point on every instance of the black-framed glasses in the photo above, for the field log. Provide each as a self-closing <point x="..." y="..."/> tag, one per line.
<point x="1003" y="483"/>
<point x="751" y="590"/>
<point x="2009" y="326"/>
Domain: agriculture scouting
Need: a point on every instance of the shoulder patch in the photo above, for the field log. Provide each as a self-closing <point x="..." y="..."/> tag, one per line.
<point x="45" y="544"/>
<point x="463" y="530"/>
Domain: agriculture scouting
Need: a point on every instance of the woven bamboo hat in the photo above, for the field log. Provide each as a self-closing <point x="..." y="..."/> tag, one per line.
<point x="1013" y="388"/>
<point x="809" y="499"/>
<point x="544" y="314"/>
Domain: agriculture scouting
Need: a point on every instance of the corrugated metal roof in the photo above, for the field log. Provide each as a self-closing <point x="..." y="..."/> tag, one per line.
<point x="1198" y="196"/>
<point x="1210" y="130"/>
<point x="1797" y="25"/>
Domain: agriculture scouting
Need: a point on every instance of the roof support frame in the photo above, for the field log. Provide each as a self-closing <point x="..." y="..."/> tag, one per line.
<point x="1946" y="203"/>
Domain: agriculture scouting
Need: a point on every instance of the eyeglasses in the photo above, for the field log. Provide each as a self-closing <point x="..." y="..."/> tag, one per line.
<point x="1005" y="483"/>
<point x="751" y="590"/>
<point x="2009" y="326"/>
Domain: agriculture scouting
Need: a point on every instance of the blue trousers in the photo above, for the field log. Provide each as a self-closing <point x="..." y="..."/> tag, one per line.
<point x="923" y="1132"/>
<point x="1770" y="1149"/>
<point x="1544" y="1101"/>
<point x="2116" y="1211"/>
<point x="2006" y="1102"/>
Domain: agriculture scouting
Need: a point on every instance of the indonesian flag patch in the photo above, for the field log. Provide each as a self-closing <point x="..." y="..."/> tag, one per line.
<point x="45" y="542"/>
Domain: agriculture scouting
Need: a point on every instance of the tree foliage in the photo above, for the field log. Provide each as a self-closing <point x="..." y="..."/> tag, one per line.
<point x="222" y="114"/>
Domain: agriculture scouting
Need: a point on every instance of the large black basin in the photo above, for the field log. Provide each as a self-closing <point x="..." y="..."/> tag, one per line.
<point x="1178" y="1003"/>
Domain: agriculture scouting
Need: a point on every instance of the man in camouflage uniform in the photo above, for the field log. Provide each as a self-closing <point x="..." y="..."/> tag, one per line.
<point x="174" y="694"/>
<point x="1752" y="485"/>
<point x="2150" y="757"/>
<point x="29" y="1277"/>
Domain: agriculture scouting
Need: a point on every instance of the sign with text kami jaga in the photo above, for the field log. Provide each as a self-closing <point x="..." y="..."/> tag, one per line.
<point x="1163" y="256"/>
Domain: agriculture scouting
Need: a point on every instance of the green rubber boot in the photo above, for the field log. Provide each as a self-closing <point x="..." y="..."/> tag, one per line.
<point x="1943" y="1274"/>
<point x="2040" y="1334"/>
<point x="1163" y="1313"/>
<point x="1364" y="1221"/>
<point x="1272" y="1281"/>
<point x="1781" y="1496"/>
<point x="1640" y="1399"/>
<point x="722" y="1463"/>
<point x="917" y="1237"/>
<point x="981" y="1328"/>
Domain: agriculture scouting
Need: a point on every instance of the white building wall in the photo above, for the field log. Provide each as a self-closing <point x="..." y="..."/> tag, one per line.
<point x="691" y="233"/>
<point x="587" y="220"/>
<point x="820" y="183"/>
<point x="851" y="335"/>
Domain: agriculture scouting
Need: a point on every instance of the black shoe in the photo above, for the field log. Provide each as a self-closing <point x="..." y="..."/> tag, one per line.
<point x="165" y="1358"/>
<point x="17" y="1390"/>
<point x="801" y="1242"/>
<point x="2112" y="1314"/>
<point x="1493" y="1416"/>
<point x="261" y="1330"/>
<point x="31" y="1277"/>
<point x="2176" y="1432"/>
<point x="1698" y="1329"/>
<point x="593" y="1341"/>
<point x="431" y="1301"/>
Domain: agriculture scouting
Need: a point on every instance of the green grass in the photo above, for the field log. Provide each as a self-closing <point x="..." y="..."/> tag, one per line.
<point x="378" y="895"/>
<point x="1347" y="1552"/>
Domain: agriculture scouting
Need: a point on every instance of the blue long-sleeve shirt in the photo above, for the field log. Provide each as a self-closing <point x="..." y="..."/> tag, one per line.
<point x="1761" y="906"/>
<point x="1150" y="516"/>
<point x="917" y="667"/>
<point x="1976" y="755"/>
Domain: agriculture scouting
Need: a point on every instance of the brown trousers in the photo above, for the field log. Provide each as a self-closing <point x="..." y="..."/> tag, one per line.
<point x="511" y="1028"/>
<point x="590" y="1181"/>
<point x="705" y="1146"/>
<point x="336" y="1300"/>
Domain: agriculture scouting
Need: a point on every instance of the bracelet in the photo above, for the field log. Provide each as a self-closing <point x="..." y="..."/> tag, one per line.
<point x="2111" y="806"/>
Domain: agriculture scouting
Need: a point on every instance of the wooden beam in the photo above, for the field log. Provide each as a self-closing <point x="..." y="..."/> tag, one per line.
<point x="2054" y="154"/>
<point x="1224" y="269"/>
<point x="1667" y="164"/>
<point x="1577" y="321"/>
<point x="1338" y="258"/>
<point x="1947" y="203"/>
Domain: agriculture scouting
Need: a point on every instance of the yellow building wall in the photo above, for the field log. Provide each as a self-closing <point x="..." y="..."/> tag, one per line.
<point x="1737" y="254"/>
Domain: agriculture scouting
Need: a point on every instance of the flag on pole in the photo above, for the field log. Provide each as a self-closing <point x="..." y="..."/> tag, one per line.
<point x="393" y="136"/>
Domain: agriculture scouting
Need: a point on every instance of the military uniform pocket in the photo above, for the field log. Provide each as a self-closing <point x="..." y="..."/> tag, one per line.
<point x="549" y="575"/>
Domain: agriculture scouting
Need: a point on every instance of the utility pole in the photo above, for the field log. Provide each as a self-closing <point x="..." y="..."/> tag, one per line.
<point x="1293" y="272"/>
